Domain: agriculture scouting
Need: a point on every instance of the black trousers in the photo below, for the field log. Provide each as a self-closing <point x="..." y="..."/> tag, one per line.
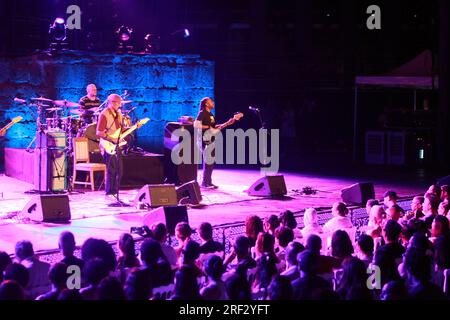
<point x="114" y="171"/>
<point x="208" y="168"/>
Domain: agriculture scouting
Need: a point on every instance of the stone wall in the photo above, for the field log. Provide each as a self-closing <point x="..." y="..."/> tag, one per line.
<point x="162" y="87"/>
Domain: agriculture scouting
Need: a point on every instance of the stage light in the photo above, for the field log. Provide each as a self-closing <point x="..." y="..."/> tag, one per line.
<point x="58" y="34"/>
<point x="186" y="33"/>
<point x="152" y="43"/>
<point x="124" y="35"/>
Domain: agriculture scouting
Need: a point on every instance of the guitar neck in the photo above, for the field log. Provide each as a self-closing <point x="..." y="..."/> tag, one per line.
<point x="9" y="125"/>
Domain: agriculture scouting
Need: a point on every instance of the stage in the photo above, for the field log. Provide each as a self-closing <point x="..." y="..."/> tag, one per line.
<point x="91" y="216"/>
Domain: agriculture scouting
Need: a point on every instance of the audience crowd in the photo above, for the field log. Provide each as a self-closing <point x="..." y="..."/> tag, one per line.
<point x="399" y="255"/>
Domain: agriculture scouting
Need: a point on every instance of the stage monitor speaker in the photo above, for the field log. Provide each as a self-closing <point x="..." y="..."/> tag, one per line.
<point x="443" y="181"/>
<point x="169" y="215"/>
<point x="156" y="195"/>
<point x="189" y="193"/>
<point x="268" y="186"/>
<point x="358" y="193"/>
<point x="48" y="208"/>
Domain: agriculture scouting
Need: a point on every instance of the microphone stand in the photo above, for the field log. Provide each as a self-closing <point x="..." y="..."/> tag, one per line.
<point x="118" y="203"/>
<point x="263" y="126"/>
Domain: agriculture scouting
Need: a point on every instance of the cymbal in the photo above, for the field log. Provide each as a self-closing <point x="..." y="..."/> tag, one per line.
<point x="53" y="109"/>
<point x="126" y="101"/>
<point x="65" y="103"/>
<point x="42" y="99"/>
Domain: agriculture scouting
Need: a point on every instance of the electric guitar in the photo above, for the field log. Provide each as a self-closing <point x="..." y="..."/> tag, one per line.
<point x="110" y="147"/>
<point x="9" y="125"/>
<point x="207" y="136"/>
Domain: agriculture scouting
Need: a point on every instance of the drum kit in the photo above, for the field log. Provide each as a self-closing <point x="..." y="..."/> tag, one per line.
<point x="67" y="116"/>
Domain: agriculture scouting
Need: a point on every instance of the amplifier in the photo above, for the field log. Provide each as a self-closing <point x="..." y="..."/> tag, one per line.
<point x="51" y="139"/>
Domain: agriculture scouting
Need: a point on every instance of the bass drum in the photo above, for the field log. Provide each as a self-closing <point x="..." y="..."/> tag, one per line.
<point x="90" y="132"/>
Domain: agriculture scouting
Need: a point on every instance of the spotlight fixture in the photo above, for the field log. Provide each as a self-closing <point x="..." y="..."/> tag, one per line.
<point x="152" y="43"/>
<point x="179" y="40"/>
<point x="124" y="35"/>
<point x="58" y="35"/>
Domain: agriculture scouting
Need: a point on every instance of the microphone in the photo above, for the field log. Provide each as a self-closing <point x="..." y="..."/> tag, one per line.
<point x="253" y="109"/>
<point x="20" y="100"/>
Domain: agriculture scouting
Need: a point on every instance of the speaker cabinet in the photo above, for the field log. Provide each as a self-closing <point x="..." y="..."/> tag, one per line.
<point x="268" y="186"/>
<point x="189" y="193"/>
<point x="169" y="215"/>
<point x="358" y="193"/>
<point x="48" y="208"/>
<point x="156" y="195"/>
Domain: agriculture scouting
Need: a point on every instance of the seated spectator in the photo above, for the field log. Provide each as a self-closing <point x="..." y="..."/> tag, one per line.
<point x="215" y="287"/>
<point x="238" y="287"/>
<point x="395" y="212"/>
<point x="271" y="223"/>
<point x="110" y="289"/>
<point x="390" y="198"/>
<point x="138" y="285"/>
<point x="253" y="226"/>
<point x="435" y="189"/>
<point x="444" y="208"/>
<point x="326" y="263"/>
<point x="292" y="251"/>
<point x="58" y="278"/>
<point x="419" y="241"/>
<point x="309" y="286"/>
<point x="364" y="248"/>
<point x="94" y="271"/>
<point x="11" y="290"/>
<point x="190" y="255"/>
<point x="280" y="289"/>
<point x="310" y="220"/>
<point x="394" y="290"/>
<point x="369" y="204"/>
<point x="354" y="276"/>
<point x="155" y="263"/>
<point x="416" y="208"/>
<point x="266" y="270"/>
<point x="159" y="233"/>
<point x="341" y="245"/>
<point x="18" y="273"/>
<point x="70" y="295"/>
<point x="339" y="221"/>
<point x="384" y="260"/>
<point x="38" y="270"/>
<point x="444" y="193"/>
<point x="414" y="225"/>
<point x="391" y="235"/>
<point x="283" y="236"/>
<point x="264" y="244"/>
<point x="99" y="248"/>
<point x="66" y="244"/>
<point x="377" y="219"/>
<point x="127" y="254"/>
<point x="440" y="227"/>
<point x="183" y="234"/>
<point x="5" y="260"/>
<point x="208" y="245"/>
<point x="430" y="208"/>
<point x="240" y="253"/>
<point x="418" y="270"/>
<point x="186" y="285"/>
<point x="288" y="220"/>
<point x="441" y="259"/>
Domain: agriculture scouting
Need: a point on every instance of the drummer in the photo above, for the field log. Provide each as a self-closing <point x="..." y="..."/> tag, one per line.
<point x="89" y="104"/>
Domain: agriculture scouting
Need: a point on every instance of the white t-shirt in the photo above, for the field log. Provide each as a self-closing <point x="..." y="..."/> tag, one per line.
<point x="337" y="223"/>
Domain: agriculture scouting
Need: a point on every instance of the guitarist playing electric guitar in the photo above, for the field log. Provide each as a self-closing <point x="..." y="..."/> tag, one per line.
<point x="111" y="131"/>
<point x="205" y="121"/>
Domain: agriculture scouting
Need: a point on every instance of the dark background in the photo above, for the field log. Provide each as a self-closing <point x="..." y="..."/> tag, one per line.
<point x="278" y="55"/>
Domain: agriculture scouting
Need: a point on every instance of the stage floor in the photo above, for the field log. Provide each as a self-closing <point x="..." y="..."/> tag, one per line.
<point x="91" y="216"/>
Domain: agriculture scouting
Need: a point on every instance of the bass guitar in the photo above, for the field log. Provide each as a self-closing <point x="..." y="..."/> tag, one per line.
<point x="207" y="136"/>
<point x="111" y="147"/>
